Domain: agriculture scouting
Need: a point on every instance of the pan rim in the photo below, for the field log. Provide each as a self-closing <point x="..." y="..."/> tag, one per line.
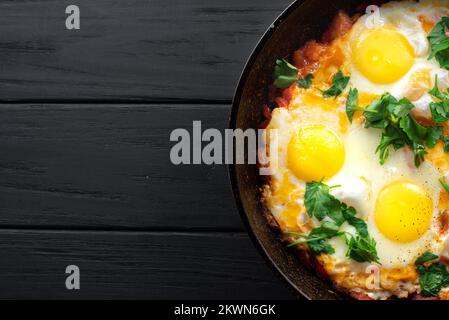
<point x="232" y="175"/>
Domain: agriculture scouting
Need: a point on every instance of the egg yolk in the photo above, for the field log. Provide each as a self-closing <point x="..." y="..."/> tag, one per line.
<point x="403" y="211"/>
<point x="315" y="153"/>
<point x="383" y="55"/>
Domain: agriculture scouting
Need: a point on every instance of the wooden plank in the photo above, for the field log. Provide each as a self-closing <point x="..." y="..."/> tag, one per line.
<point x="135" y="265"/>
<point x="129" y="49"/>
<point x="108" y="166"/>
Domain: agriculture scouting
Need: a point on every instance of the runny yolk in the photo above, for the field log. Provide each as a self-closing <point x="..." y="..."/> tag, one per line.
<point x="314" y="153"/>
<point x="383" y="55"/>
<point x="403" y="211"/>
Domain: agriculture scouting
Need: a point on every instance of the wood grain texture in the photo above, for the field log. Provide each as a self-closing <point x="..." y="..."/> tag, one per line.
<point x="92" y="184"/>
<point x="135" y="265"/>
<point x="129" y="49"/>
<point x="108" y="166"/>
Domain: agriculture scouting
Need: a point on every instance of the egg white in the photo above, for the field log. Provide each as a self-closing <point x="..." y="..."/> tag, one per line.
<point x="362" y="177"/>
<point x="360" y="180"/>
<point x="403" y="17"/>
<point x="361" y="162"/>
<point x="287" y="122"/>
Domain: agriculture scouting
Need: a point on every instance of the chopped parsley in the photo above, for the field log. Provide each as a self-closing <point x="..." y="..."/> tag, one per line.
<point x="439" y="109"/>
<point x="444" y="184"/>
<point x="350" y="215"/>
<point x="439" y="43"/>
<point x="339" y="84"/>
<point x="426" y="257"/>
<point x="321" y="204"/>
<point x="352" y="103"/>
<point x="306" y="82"/>
<point x="446" y="143"/>
<point x="285" y="74"/>
<point x="399" y="127"/>
<point x="434" y="135"/>
<point x="433" y="277"/>
<point x="317" y="238"/>
<point x="362" y="249"/>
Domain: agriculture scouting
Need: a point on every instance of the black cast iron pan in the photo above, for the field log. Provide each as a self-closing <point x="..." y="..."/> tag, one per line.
<point x="301" y="22"/>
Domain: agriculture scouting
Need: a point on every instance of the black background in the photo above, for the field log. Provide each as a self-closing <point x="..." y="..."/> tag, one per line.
<point x="85" y="175"/>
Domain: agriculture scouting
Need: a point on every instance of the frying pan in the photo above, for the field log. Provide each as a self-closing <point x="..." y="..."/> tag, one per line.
<point x="301" y="22"/>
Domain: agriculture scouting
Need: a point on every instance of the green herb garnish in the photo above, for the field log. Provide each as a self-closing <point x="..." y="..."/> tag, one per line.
<point x="426" y="257"/>
<point x="285" y="74"/>
<point x="321" y="204"/>
<point x="316" y="240"/>
<point x="352" y="103"/>
<point x="444" y="184"/>
<point x="399" y="127"/>
<point x="446" y="143"/>
<point x="362" y="249"/>
<point x="360" y="226"/>
<point x="306" y="82"/>
<point x="440" y="109"/>
<point x="433" y="136"/>
<point x="339" y="84"/>
<point x="432" y="278"/>
<point x="392" y="136"/>
<point x="439" y="43"/>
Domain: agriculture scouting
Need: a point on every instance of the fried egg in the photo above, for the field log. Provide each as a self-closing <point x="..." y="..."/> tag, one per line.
<point x="402" y="205"/>
<point x="399" y="202"/>
<point x="391" y="56"/>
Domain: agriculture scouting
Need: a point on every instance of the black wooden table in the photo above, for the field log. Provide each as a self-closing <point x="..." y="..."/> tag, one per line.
<point x="85" y="175"/>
